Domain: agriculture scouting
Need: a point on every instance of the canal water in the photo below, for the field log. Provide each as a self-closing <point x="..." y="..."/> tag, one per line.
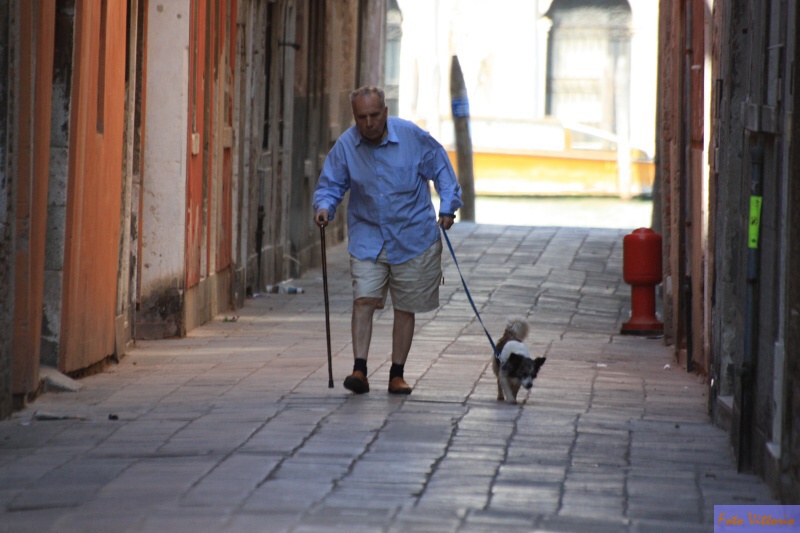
<point x="590" y="212"/>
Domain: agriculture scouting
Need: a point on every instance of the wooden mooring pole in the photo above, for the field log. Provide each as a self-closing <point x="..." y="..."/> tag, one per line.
<point x="460" y="105"/>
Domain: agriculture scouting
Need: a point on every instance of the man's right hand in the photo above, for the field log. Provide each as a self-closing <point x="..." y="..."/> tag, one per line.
<point x="321" y="217"/>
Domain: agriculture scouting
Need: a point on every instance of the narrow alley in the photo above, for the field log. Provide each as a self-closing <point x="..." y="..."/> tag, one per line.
<point x="234" y="428"/>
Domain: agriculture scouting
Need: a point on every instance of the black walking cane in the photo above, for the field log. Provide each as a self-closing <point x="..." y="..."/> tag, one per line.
<point x="327" y="310"/>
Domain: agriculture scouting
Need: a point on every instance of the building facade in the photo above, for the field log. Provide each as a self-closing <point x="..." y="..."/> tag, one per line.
<point x="561" y="92"/>
<point x="157" y="161"/>
<point x="157" y="164"/>
<point x="727" y="166"/>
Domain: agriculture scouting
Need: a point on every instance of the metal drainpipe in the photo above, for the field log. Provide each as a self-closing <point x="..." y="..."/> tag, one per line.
<point x="259" y="245"/>
<point x="262" y="178"/>
<point x="747" y="370"/>
<point x="685" y="232"/>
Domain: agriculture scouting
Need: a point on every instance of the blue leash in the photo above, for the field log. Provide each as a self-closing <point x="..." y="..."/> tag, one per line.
<point x="469" y="296"/>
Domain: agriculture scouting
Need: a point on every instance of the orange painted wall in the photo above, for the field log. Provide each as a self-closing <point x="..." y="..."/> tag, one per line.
<point x="199" y="153"/>
<point x="95" y="181"/>
<point x="210" y="182"/>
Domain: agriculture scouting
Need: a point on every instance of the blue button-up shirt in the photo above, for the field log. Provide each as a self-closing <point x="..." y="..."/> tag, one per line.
<point x="390" y="198"/>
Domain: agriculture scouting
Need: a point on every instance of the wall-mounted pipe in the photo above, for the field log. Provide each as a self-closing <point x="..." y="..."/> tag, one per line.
<point x="748" y="367"/>
<point x="685" y="229"/>
<point x="259" y="247"/>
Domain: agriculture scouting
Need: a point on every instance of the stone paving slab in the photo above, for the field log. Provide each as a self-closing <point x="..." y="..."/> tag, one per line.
<point x="234" y="428"/>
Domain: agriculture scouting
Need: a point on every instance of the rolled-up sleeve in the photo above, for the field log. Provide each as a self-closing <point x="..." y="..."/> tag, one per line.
<point x="437" y="168"/>
<point x="333" y="183"/>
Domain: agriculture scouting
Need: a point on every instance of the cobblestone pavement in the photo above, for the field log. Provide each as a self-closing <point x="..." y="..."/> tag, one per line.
<point x="234" y="428"/>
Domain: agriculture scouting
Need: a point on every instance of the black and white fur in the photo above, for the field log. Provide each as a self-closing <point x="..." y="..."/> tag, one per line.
<point x="514" y="367"/>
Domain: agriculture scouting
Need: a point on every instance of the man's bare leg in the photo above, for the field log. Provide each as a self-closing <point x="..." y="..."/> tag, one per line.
<point x="402" y="335"/>
<point x="361" y="325"/>
<point x="363" y="309"/>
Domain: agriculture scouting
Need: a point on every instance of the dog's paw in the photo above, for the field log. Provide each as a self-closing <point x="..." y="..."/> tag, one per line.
<point x="511" y="401"/>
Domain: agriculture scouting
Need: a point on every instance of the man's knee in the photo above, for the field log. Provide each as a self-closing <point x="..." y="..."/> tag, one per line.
<point x="407" y="315"/>
<point x="366" y="303"/>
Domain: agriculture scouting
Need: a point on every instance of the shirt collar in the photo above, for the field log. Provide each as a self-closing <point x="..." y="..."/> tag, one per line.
<point x="391" y="135"/>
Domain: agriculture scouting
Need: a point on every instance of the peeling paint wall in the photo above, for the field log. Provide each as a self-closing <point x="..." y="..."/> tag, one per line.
<point x="255" y="20"/>
<point x="301" y="59"/>
<point x="128" y="245"/>
<point x="57" y="189"/>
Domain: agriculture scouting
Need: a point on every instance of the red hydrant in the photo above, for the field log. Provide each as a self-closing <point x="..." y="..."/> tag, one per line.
<point x="641" y="268"/>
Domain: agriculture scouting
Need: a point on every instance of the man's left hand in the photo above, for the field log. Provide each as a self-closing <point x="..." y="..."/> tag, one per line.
<point x="446" y="222"/>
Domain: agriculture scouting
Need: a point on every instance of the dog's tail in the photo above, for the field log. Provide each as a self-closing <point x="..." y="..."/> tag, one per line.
<point x="516" y="328"/>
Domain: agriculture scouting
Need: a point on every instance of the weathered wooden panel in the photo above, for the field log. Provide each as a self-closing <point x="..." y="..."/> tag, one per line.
<point x="210" y="172"/>
<point x="36" y="23"/>
<point x="209" y="197"/>
<point x="225" y="71"/>
<point x="200" y="93"/>
<point x="95" y="180"/>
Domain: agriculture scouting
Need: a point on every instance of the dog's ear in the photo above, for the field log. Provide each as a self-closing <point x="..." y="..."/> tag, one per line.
<point x="539" y="362"/>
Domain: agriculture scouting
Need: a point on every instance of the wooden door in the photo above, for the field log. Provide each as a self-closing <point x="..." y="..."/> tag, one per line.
<point x="91" y="255"/>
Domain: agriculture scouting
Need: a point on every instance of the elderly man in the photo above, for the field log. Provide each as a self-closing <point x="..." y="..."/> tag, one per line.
<point x="393" y="230"/>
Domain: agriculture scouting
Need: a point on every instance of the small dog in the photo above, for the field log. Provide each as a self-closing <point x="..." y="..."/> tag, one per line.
<point x="514" y="367"/>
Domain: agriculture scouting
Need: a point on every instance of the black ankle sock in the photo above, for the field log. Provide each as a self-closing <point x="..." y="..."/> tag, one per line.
<point x="396" y="371"/>
<point x="360" y="364"/>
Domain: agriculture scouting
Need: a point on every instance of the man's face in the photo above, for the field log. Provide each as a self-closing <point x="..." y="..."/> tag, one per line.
<point x="370" y="117"/>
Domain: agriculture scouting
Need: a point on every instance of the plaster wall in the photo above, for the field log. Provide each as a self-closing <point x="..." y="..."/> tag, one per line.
<point x="165" y="149"/>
